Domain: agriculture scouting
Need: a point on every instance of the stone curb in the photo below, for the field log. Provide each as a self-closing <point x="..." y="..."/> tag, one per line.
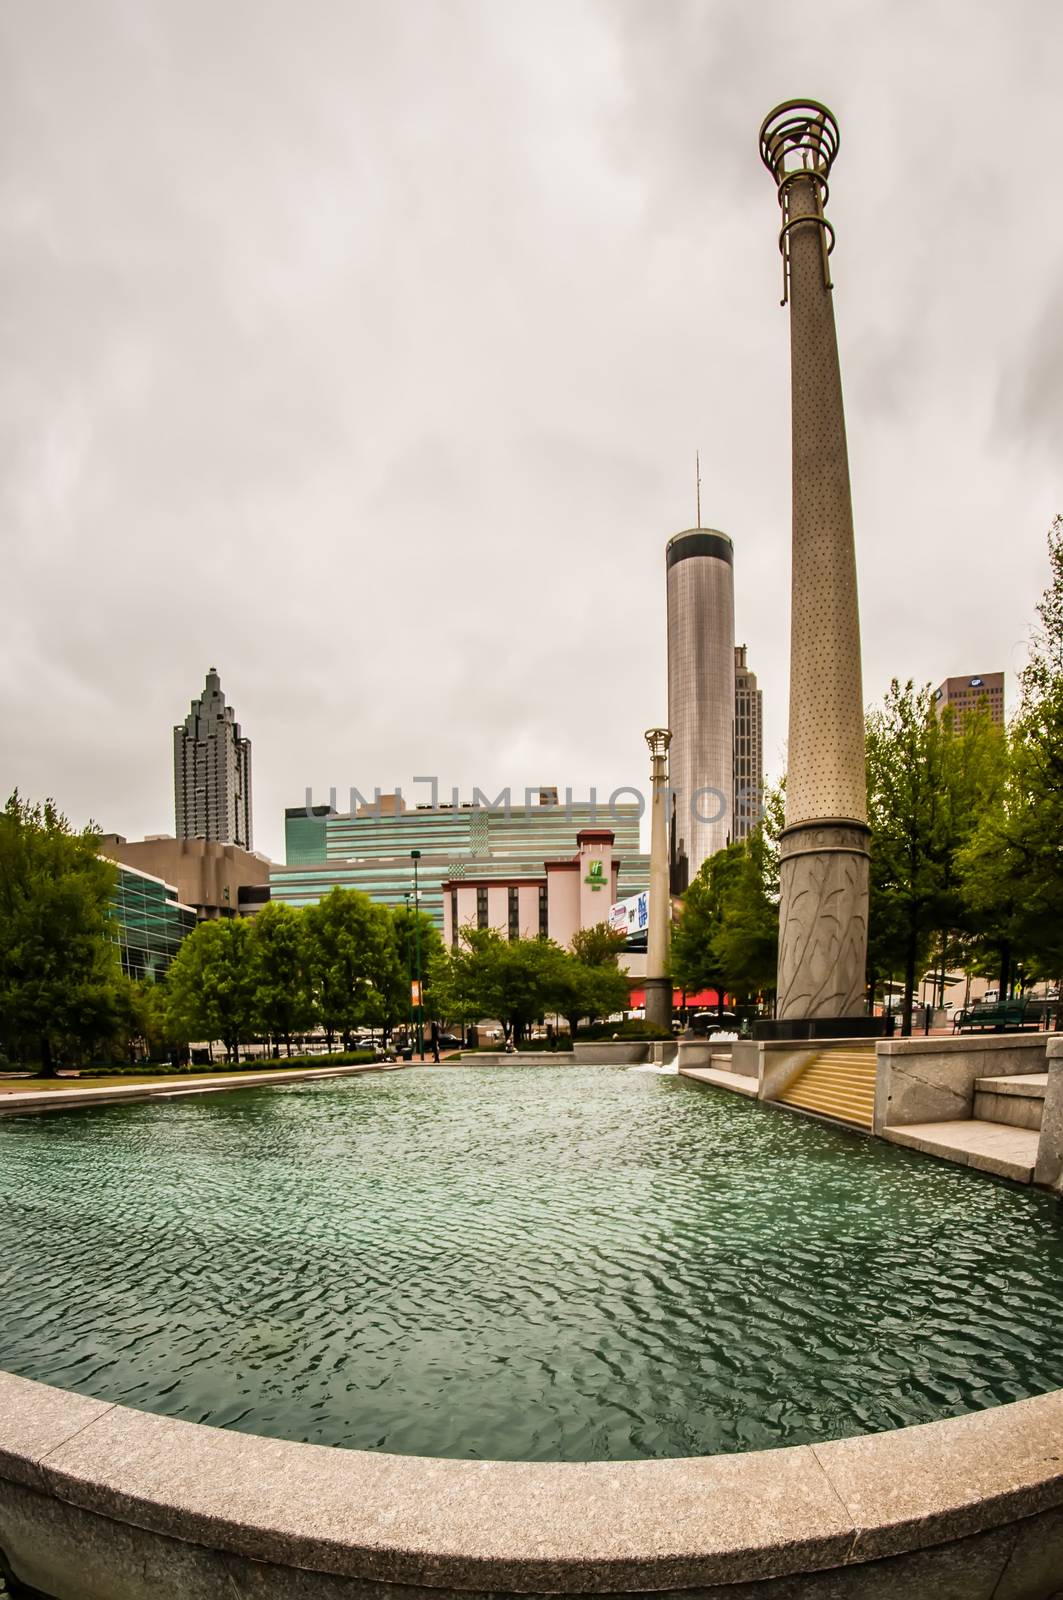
<point x="529" y="1527"/>
<point x="64" y="1099"/>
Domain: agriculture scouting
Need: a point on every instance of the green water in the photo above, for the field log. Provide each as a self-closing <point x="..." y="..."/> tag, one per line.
<point x="526" y="1263"/>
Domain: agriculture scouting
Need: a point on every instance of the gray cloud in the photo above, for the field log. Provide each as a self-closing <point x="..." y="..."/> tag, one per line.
<point x="363" y="351"/>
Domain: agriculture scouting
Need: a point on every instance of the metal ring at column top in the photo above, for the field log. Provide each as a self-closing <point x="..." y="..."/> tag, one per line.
<point x="799" y="136"/>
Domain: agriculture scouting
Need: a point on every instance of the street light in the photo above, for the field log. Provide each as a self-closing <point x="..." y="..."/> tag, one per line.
<point x="415" y="856"/>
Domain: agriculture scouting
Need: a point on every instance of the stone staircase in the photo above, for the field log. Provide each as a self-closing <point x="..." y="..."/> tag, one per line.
<point x="1003" y="1135"/>
<point x="839" y="1084"/>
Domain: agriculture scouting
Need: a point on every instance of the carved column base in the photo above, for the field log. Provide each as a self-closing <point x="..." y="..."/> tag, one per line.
<point x="823" y="919"/>
<point x="659" y="1001"/>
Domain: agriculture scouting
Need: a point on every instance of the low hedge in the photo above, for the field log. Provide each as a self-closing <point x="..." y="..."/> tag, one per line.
<point x="633" y="1028"/>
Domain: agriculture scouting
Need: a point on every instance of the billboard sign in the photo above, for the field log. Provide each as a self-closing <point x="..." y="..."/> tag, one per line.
<point x="631" y="916"/>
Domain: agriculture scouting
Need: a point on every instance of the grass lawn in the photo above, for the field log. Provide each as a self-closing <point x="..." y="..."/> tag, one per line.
<point x="121" y="1079"/>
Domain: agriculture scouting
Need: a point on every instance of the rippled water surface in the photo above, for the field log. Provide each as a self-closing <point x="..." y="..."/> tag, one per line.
<point x="537" y="1263"/>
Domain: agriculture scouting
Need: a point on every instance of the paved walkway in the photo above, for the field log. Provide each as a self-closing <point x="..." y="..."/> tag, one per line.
<point x="76" y="1093"/>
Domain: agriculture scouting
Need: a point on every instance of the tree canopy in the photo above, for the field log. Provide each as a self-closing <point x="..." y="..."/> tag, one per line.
<point x="60" y="979"/>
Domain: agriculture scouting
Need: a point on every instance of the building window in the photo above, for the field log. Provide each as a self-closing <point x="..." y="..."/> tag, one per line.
<point x="544" y="913"/>
<point x="481" y="908"/>
<point x="454" y="918"/>
<point x="514" y="914"/>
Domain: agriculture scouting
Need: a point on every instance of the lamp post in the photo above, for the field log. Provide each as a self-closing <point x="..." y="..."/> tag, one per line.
<point x="415" y="856"/>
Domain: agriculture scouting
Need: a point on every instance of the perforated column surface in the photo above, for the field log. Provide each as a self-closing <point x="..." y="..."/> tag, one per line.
<point x="825" y="766"/>
<point x="824" y="869"/>
<point x="660" y="903"/>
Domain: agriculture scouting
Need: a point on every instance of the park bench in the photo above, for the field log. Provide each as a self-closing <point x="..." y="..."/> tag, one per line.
<point x="1006" y="1017"/>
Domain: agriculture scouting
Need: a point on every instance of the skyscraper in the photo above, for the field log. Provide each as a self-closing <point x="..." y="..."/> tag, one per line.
<point x="701" y="696"/>
<point x="749" y="748"/>
<point x="971" y="694"/>
<point x="212" y="771"/>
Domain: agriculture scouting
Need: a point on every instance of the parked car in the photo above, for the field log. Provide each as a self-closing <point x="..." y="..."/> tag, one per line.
<point x="450" y="1041"/>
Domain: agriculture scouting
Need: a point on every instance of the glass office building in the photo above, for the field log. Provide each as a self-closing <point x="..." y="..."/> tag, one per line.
<point x="148" y="923"/>
<point x="369" y="849"/>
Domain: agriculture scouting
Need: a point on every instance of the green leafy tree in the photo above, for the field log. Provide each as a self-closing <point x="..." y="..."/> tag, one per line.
<point x="1012" y="867"/>
<point x="598" y="946"/>
<point x="408" y="927"/>
<point x="353" y="962"/>
<point x="149" y="1021"/>
<point x="695" y="959"/>
<point x="210" y="989"/>
<point x="590" y="982"/>
<point x="516" y="980"/>
<point x="278" y="958"/>
<point x="588" y="991"/>
<point x="453" y="999"/>
<point x="927" y="786"/>
<point x="746" y="940"/>
<point x="59" y="970"/>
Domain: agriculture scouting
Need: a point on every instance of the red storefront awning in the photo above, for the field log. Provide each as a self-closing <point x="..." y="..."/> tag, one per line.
<point x="703" y="1000"/>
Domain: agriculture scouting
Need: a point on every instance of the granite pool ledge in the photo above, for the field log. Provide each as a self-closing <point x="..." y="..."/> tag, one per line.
<point x="146" y="1492"/>
<point x="17" y="1102"/>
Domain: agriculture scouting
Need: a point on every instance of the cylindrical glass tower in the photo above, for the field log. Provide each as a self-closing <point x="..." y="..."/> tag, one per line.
<point x="701" y="695"/>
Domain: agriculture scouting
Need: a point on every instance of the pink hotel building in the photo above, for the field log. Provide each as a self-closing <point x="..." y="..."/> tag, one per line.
<point x="572" y="892"/>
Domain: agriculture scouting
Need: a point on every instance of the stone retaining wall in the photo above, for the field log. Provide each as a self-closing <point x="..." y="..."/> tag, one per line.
<point x="98" y="1502"/>
<point x="611" y="1052"/>
<point x="932" y="1080"/>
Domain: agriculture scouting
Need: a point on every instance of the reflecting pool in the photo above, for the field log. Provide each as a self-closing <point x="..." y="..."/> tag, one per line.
<point x="571" y="1263"/>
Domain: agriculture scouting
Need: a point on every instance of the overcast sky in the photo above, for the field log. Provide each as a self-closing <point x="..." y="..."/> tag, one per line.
<point x="362" y="350"/>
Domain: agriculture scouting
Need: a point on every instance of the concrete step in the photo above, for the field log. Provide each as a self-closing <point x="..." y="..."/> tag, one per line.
<point x="999" y="1148"/>
<point x="737" y="1082"/>
<point x="1016" y="1100"/>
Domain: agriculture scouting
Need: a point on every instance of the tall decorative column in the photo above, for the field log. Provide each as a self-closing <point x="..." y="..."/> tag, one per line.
<point x="658" y="983"/>
<point x="824" y="846"/>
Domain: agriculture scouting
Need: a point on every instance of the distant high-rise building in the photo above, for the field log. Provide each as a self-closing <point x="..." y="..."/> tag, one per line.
<point x="749" y="748"/>
<point x="966" y="694"/>
<point x="212" y="771"/>
<point x="701" y="696"/>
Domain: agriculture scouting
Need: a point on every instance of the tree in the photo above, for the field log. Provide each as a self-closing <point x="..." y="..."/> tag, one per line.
<point x="409" y="927"/>
<point x="927" y="784"/>
<point x="210" y="986"/>
<point x="746" y="941"/>
<point x="278" y="957"/>
<point x="696" y="962"/>
<point x="149" y="1021"/>
<point x="1012" y="868"/>
<point x="59" y="969"/>
<point x="515" y="980"/>
<point x="353" y="962"/>
<point x="589" y="981"/>
<point x="599" y="946"/>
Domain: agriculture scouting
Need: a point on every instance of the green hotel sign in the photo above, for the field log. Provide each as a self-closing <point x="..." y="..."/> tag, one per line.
<point x="596" y="874"/>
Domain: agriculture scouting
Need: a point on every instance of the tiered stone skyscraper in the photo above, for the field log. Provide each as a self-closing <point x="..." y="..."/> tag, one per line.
<point x="824" y="848"/>
<point x="212" y="771"/>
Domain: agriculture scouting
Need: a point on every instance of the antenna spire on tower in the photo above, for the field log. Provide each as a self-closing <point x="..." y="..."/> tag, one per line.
<point x="697" y="474"/>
